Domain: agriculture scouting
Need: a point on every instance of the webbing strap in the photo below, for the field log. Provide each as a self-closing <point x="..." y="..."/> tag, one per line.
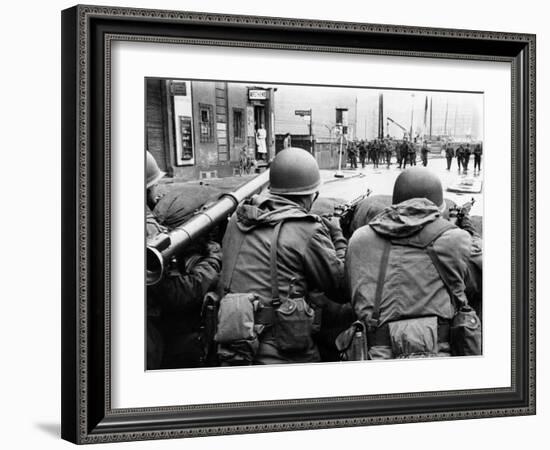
<point x="273" y="262"/>
<point x="381" y="279"/>
<point x="232" y="261"/>
<point x="444" y="277"/>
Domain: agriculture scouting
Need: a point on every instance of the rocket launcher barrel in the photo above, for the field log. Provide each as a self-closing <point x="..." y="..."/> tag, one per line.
<point x="164" y="246"/>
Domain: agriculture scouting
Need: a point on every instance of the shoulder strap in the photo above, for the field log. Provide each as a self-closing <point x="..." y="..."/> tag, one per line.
<point x="439" y="266"/>
<point x="231" y="263"/>
<point x="380" y="283"/>
<point x="273" y="263"/>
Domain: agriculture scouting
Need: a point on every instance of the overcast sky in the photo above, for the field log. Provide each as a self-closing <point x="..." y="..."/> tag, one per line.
<point x="464" y="111"/>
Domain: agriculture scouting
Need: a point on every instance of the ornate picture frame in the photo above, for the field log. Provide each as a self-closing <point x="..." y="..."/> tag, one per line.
<point x="88" y="33"/>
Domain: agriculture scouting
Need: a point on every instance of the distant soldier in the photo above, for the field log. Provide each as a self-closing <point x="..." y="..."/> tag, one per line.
<point x="460" y="157"/>
<point x="377" y="153"/>
<point x="449" y="154"/>
<point x="388" y="151"/>
<point x="362" y="153"/>
<point x="407" y="153"/>
<point x="275" y="254"/>
<point x="412" y="153"/>
<point x="352" y="155"/>
<point x="477" y="157"/>
<point x="401" y="153"/>
<point x="424" y="153"/>
<point x="466" y="157"/>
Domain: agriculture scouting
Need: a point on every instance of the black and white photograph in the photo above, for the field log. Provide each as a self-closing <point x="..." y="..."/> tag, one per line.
<point x="294" y="223"/>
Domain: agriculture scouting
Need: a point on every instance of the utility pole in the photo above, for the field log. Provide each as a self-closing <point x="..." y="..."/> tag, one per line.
<point x="380" y="116"/>
<point x="431" y="110"/>
<point x="412" y="117"/>
<point x="355" y="120"/>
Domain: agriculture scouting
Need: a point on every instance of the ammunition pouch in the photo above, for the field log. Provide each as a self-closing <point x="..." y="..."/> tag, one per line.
<point x="294" y="320"/>
<point x="237" y="332"/>
<point x="465" y="333"/>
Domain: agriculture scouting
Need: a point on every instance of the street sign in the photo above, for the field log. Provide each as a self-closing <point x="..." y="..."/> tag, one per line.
<point x="257" y="94"/>
<point x="178" y="88"/>
<point x="302" y="112"/>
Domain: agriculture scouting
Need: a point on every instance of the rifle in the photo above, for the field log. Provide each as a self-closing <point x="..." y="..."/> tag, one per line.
<point x="457" y="213"/>
<point x="345" y="211"/>
<point x="162" y="248"/>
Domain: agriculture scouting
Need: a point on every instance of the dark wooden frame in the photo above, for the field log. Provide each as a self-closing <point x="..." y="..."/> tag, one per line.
<point x="87" y="32"/>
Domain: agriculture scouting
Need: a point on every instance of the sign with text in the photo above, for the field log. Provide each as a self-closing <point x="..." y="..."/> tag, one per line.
<point x="257" y="94"/>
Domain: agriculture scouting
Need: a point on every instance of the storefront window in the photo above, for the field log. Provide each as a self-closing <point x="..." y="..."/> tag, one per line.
<point x="238" y="125"/>
<point x="206" y="123"/>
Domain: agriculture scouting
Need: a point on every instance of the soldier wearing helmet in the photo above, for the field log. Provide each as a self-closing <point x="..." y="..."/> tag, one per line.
<point x="408" y="271"/>
<point x="174" y="304"/>
<point x="153" y="175"/>
<point x="277" y="251"/>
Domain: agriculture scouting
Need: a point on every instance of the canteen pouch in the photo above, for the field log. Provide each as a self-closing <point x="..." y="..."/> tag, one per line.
<point x="414" y="338"/>
<point x="352" y="343"/>
<point x="294" y="325"/>
<point x="466" y="333"/>
<point x="236" y="318"/>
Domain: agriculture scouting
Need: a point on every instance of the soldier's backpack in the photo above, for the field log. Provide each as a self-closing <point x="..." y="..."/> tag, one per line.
<point x="242" y="317"/>
<point x="464" y="332"/>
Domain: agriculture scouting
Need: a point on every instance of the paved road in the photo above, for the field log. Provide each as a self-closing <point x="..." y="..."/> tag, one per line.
<point x="381" y="180"/>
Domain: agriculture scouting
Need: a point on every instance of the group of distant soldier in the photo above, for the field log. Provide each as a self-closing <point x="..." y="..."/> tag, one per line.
<point x="463" y="154"/>
<point x="381" y="151"/>
<point x="289" y="285"/>
<point x="376" y="151"/>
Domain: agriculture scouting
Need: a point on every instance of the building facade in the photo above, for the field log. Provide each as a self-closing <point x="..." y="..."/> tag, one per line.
<point x="198" y="129"/>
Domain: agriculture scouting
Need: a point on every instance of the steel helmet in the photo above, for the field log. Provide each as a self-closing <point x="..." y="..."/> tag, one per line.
<point x="294" y="171"/>
<point x="418" y="182"/>
<point x="152" y="171"/>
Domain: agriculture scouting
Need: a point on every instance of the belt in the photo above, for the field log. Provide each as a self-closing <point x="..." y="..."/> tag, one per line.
<point x="381" y="335"/>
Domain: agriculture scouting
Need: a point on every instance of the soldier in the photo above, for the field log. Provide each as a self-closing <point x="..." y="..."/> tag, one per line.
<point x="460" y="157"/>
<point x="375" y="153"/>
<point x="399" y="153"/>
<point x="477" y="157"/>
<point x="362" y="153"/>
<point x="424" y="153"/>
<point x="408" y="271"/>
<point x="466" y="157"/>
<point x="174" y="304"/>
<point x="388" y="146"/>
<point x="352" y="155"/>
<point x="276" y="253"/>
<point x="370" y="150"/>
<point x="405" y="149"/>
<point x="449" y="154"/>
<point x="412" y="153"/>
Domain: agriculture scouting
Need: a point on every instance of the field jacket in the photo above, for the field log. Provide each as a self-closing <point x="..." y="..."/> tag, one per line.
<point x="412" y="286"/>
